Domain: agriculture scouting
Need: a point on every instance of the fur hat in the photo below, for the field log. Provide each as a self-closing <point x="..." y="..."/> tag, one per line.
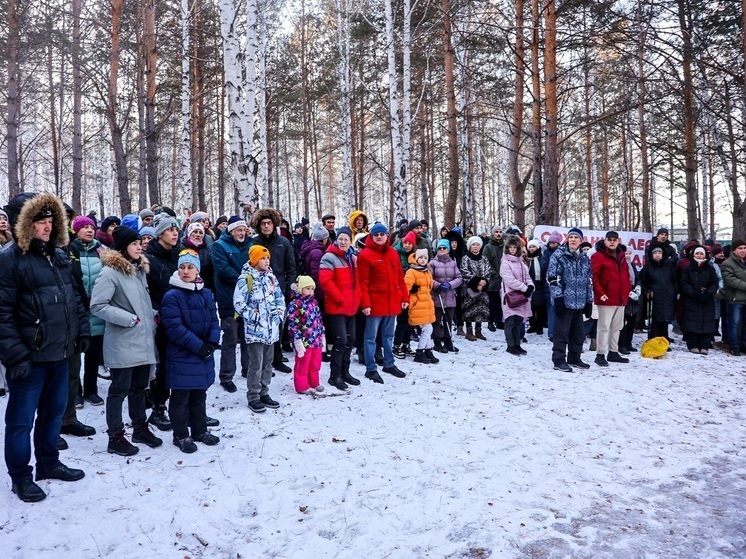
<point x="302" y="282"/>
<point x="513" y="241"/>
<point x="319" y="232"/>
<point x="189" y="257"/>
<point x="474" y="240"/>
<point x="81" y="221"/>
<point x="256" y="253"/>
<point x="123" y="237"/>
<point x="162" y="223"/>
<point x="266" y="213"/>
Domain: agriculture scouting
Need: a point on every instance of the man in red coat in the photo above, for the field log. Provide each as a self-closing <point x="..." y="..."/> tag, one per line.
<point x="611" y="287"/>
<point x="383" y="295"/>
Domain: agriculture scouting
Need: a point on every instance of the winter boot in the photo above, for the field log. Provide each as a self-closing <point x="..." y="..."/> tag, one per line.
<point x="460" y="331"/>
<point x="470" y="333"/>
<point x="601" y="360"/>
<point x="438" y="345"/>
<point x="399" y="352"/>
<point x="513" y="350"/>
<point x="118" y="444"/>
<point x="592" y="347"/>
<point x="336" y="381"/>
<point x="614" y="357"/>
<point x="521" y="351"/>
<point x="142" y="434"/>
<point x="478" y="332"/>
<point x="448" y="345"/>
<point x="186" y="445"/>
<point x="379" y="356"/>
<point x="420" y="357"/>
<point x="349" y="379"/>
<point x="159" y="418"/>
<point x="431" y="357"/>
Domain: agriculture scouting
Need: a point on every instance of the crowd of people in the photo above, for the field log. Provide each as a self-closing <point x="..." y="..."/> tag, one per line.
<point x="144" y="301"/>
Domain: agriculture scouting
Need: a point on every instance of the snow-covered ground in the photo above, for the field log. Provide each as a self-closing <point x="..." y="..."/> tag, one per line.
<point x="483" y="455"/>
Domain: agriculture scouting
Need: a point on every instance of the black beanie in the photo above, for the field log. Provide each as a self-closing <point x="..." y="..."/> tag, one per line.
<point x="123" y="237"/>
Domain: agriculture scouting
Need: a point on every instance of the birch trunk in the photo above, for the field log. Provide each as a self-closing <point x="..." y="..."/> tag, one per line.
<point x="77" y="147"/>
<point x="251" y="196"/>
<point x="263" y="180"/>
<point x="398" y="171"/>
<point x="343" y="8"/>
<point x="451" y="129"/>
<point x="184" y="193"/>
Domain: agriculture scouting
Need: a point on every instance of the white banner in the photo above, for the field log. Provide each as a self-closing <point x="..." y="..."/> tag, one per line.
<point x="635" y="240"/>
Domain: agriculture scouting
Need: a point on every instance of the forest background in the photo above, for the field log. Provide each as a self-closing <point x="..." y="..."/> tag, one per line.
<point x="604" y="114"/>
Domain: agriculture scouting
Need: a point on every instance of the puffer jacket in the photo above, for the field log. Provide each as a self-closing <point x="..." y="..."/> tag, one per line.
<point x="163" y="264"/>
<point x="734" y="279"/>
<point x="41" y="311"/>
<point x="610" y="276"/>
<point x="403" y="254"/>
<point x="569" y="276"/>
<point x="421" y="305"/>
<point x="659" y="278"/>
<point x="304" y="320"/>
<point x="538" y="273"/>
<point x="87" y="265"/>
<point x="445" y="270"/>
<point x="493" y="252"/>
<point x="382" y="287"/>
<point x="515" y="277"/>
<point x="120" y="298"/>
<point x="190" y="319"/>
<point x="351" y="221"/>
<point x="698" y="287"/>
<point x="338" y="276"/>
<point x="282" y="259"/>
<point x="312" y="252"/>
<point x="228" y="258"/>
<point x="259" y="300"/>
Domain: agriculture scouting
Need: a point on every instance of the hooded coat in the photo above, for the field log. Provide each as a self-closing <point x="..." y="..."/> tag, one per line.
<point x="120" y="298"/>
<point x="610" y="276"/>
<point x="282" y="253"/>
<point x="445" y="270"/>
<point x="338" y="277"/>
<point x="733" y="271"/>
<point x="698" y="287"/>
<point x="163" y="263"/>
<point x="476" y="303"/>
<point x="494" y="251"/>
<point x="659" y="278"/>
<point x="515" y="277"/>
<point x="569" y="276"/>
<point x="353" y="216"/>
<point x="41" y="311"/>
<point x="312" y="251"/>
<point x="189" y="317"/>
<point x="421" y="305"/>
<point x="304" y="320"/>
<point x="382" y="287"/>
<point x="258" y="299"/>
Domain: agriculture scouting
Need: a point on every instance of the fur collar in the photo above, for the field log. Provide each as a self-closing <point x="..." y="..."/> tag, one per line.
<point x="24" y="227"/>
<point x="116" y="260"/>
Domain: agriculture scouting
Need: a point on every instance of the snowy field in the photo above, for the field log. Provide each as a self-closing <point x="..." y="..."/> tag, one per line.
<point x="483" y="455"/>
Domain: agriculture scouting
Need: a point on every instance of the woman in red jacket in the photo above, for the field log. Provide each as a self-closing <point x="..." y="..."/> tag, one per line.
<point x="338" y="279"/>
<point x="383" y="295"/>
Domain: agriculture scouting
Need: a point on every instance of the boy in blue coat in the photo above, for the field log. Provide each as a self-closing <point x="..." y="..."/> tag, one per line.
<point x="191" y="322"/>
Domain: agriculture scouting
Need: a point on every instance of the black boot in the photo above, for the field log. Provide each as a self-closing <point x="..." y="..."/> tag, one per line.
<point x="118" y="444"/>
<point x="374" y="376"/>
<point x="448" y="344"/>
<point x="336" y="381"/>
<point x="349" y="379"/>
<point x="28" y="491"/>
<point x="431" y="357"/>
<point x="614" y="357"/>
<point x="142" y="434"/>
<point x="159" y="418"/>
<point x="438" y="345"/>
<point x="420" y="357"/>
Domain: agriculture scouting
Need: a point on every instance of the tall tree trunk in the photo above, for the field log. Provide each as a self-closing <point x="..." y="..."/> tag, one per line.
<point x="263" y="188"/>
<point x="739" y="204"/>
<point x="642" y="23"/>
<point x="517" y="186"/>
<point x="690" y="143"/>
<point x="142" y="159"/>
<point x="151" y="132"/>
<point x="397" y="169"/>
<point x="15" y="13"/>
<point x="53" y="109"/>
<point x="452" y="196"/>
<point x="112" y="109"/>
<point x="536" y="143"/>
<point x="251" y="91"/>
<point x="77" y="147"/>
<point x="184" y="193"/>
<point x="548" y="212"/>
<point x="305" y="111"/>
<point x="343" y="8"/>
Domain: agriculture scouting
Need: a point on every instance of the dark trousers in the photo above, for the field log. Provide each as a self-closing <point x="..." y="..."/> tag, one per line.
<point x="130" y="383"/>
<point x="188" y="410"/>
<point x="625" y="335"/>
<point x="513" y="330"/>
<point x="443" y="322"/>
<point x="403" y="331"/>
<point x="341" y="334"/>
<point x="496" y="308"/>
<point x="158" y="387"/>
<point x="73" y="379"/>
<point x="233" y="335"/>
<point x="568" y="336"/>
<point x="42" y="393"/>
<point x="90" y="366"/>
<point x="538" y="319"/>
<point x="657" y="328"/>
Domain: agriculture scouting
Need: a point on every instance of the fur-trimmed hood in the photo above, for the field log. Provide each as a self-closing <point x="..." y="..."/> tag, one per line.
<point x="24" y="225"/>
<point x="265" y="213"/>
<point x="116" y="260"/>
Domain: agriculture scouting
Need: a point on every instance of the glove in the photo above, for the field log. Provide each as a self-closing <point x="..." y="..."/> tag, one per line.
<point x="588" y="310"/>
<point x="300" y="350"/>
<point x="20" y="370"/>
<point x="204" y="351"/>
<point x="415" y="288"/>
<point x="559" y="305"/>
<point x="82" y="344"/>
<point x="213" y="345"/>
<point x="529" y="290"/>
<point x="634" y="295"/>
<point x="445" y="286"/>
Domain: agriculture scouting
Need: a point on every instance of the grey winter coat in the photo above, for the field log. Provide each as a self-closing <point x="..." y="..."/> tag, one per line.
<point x="569" y="276"/>
<point x="120" y="297"/>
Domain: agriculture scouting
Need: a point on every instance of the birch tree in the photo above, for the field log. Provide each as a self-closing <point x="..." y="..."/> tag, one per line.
<point x="77" y="145"/>
<point x="251" y="88"/>
<point x="343" y="9"/>
<point x="16" y="10"/>
<point x="184" y="193"/>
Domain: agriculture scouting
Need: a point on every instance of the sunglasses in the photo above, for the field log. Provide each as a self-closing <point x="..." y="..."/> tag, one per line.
<point x="379" y="234"/>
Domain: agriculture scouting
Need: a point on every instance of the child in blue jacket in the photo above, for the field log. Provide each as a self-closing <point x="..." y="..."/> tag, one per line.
<point x="191" y="322"/>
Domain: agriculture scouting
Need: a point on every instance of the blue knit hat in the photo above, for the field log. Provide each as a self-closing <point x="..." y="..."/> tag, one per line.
<point x="147" y="230"/>
<point x="344" y="230"/>
<point x="575" y="231"/>
<point x="189" y="257"/>
<point x="378" y="228"/>
<point x="444" y="243"/>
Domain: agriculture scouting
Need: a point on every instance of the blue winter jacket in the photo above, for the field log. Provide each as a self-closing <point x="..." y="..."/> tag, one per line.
<point x="228" y="257"/>
<point x="569" y="276"/>
<point x="189" y="316"/>
<point x="259" y="300"/>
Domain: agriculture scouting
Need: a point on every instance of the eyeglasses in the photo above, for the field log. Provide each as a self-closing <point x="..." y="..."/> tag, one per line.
<point x="378" y="234"/>
<point x="266" y="222"/>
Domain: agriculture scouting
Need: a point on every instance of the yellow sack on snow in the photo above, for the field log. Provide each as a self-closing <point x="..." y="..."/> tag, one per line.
<point x="655" y="348"/>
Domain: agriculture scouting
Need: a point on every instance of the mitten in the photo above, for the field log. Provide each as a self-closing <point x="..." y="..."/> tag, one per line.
<point x="588" y="310"/>
<point x="415" y="288"/>
<point x="204" y="351"/>
<point x="529" y="290"/>
<point x="445" y="286"/>
<point x="300" y="350"/>
<point x="82" y="344"/>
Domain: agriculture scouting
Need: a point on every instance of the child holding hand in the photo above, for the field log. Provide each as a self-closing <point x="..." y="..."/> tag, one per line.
<point x="306" y="329"/>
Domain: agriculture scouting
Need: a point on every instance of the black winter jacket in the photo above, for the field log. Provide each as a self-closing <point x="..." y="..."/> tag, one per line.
<point x="163" y="263"/>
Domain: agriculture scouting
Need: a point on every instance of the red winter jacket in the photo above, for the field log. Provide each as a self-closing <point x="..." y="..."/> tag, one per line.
<point x="338" y="277"/>
<point x="382" y="286"/>
<point x="610" y="276"/>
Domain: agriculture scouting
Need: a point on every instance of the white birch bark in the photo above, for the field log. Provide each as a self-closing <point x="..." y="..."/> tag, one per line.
<point x="400" y="171"/>
<point x="262" y="182"/>
<point x="251" y="195"/>
<point x="462" y="56"/>
<point x="184" y="194"/>
<point x="234" y="96"/>
<point x="343" y="9"/>
<point x="406" y="109"/>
